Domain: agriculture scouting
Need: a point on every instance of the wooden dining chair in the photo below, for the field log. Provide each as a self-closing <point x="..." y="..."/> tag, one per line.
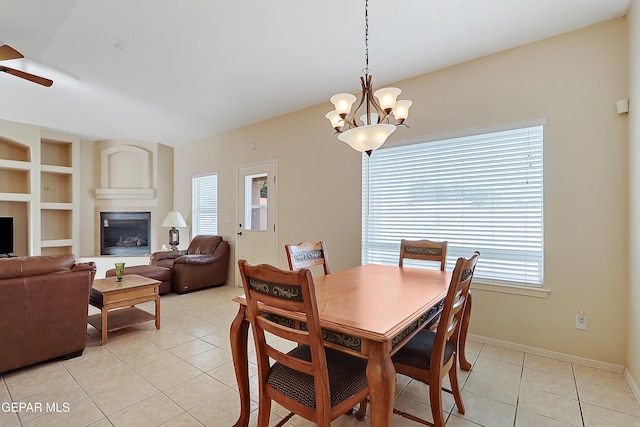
<point x="426" y="250"/>
<point x="314" y="382"/>
<point x="306" y="255"/>
<point x="429" y="355"/>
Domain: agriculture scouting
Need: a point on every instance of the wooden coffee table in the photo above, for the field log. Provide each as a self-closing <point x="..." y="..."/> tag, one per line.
<point x="109" y="294"/>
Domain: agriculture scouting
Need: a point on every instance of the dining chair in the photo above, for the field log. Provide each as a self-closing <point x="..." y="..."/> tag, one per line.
<point x="314" y="382"/>
<point x="423" y="250"/>
<point x="306" y="255"/>
<point x="426" y="250"/>
<point x="430" y="355"/>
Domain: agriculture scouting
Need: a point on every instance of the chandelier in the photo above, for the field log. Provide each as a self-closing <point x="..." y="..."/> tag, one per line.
<point x="377" y="114"/>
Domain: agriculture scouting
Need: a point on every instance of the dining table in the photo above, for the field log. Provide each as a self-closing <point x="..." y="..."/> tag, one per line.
<point x="369" y="311"/>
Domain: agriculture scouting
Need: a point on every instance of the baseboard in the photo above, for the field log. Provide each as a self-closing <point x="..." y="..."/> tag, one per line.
<point x="552" y="354"/>
<point x="632" y="383"/>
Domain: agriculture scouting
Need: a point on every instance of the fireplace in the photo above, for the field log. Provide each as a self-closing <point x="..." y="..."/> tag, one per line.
<point x="125" y="233"/>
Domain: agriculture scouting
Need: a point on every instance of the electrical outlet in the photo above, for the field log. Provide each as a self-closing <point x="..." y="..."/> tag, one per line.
<point x="581" y="321"/>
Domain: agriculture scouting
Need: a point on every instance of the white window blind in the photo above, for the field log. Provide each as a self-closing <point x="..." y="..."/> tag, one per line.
<point x="204" y="207"/>
<point x="481" y="192"/>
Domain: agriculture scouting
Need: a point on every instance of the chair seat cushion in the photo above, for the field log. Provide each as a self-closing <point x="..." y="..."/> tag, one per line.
<point x="417" y="352"/>
<point x="347" y="376"/>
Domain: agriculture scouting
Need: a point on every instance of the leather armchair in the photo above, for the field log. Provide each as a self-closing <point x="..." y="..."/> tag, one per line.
<point x="204" y="264"/>
<point x="44" y="304"/>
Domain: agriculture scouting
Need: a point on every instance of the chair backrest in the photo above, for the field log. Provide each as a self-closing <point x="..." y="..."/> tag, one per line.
<point x="306" y="255"/>
<point x="451" y="316"/>
<point x="285" y="295"/>
<point x="203" y="244"/>
<point x="424" y="250"/>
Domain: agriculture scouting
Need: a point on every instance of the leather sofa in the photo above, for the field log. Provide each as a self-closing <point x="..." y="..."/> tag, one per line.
<point x="204" y="264"/>
<point x="44" y="302"/>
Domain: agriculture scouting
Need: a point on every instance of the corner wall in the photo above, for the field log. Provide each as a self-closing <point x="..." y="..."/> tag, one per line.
<point x="633" y="339"/>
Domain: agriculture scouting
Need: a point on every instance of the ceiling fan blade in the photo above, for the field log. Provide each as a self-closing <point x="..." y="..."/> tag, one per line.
<point x="31" y="77"/>
<point x="7" y="52"/>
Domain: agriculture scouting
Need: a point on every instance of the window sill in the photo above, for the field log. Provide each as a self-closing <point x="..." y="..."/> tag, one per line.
<point x="510" y="289"/>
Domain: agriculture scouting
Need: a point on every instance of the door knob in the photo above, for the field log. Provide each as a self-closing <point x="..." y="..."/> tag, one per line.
<point x="239" y="233"/>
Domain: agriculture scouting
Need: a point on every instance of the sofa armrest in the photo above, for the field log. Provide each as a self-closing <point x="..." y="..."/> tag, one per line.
<point x="197" y="259"/>
<point x="86" y="266"/>
<point x="158" y="256"/>
<point x="220" y="252"/>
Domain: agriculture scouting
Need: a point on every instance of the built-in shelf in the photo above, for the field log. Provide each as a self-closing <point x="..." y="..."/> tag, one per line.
<point x="39" y="186"/>
<point x="15" y="197"/>
<point x="63" y="170"/>
<point x="55" y="243"/>
<point x="57" y="206"/>
<point x="14" y="165"/>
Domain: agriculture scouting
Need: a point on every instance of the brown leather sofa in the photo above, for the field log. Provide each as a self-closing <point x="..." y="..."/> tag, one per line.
<point x="44" y="303"/>
<point x="204" y="264"/>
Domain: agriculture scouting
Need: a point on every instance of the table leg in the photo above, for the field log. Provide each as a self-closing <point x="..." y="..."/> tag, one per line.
<point x="464" y="363"/>
<point x="381" y="375"/>
<point x="239" y="334"/>
<point x="157" y="311"/>
<point x="103" y="323"/>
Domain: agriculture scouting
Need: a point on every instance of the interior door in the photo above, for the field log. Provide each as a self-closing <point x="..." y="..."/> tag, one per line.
<point x="256" y="231"/>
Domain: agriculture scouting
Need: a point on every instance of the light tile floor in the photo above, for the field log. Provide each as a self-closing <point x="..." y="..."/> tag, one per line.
<point x="182" y="375"/>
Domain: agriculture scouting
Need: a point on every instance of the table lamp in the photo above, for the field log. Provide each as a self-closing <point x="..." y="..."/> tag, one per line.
<point x="173" y="220"/>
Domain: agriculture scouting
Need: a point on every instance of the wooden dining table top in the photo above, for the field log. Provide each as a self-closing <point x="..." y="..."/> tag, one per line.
<point x="375" y="301"/>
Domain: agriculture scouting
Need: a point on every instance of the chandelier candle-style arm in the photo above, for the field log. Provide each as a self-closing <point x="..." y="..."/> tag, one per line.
<point x="378" y="110"/>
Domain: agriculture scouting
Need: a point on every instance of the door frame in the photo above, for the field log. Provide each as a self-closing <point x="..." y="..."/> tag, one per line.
<point x="268" y="163"/>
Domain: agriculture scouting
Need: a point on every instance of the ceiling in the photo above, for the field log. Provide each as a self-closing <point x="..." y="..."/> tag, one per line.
<point x="175" y="72"/>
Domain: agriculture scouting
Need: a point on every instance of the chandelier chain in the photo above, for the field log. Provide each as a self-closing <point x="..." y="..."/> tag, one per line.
<point x="366" y="37"/>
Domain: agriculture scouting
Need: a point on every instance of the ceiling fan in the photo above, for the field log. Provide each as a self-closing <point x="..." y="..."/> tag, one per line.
<point x="6" y="53"/>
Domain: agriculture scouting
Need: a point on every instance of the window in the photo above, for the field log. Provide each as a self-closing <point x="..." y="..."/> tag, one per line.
<point x="204" y="207"/>
<point x="480" y="192"/>
<point x="255" y="216"/>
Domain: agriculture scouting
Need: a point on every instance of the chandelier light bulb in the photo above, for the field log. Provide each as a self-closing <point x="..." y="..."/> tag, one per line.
<point x="401" y="110"/>
<point x="336" y="121"/>
<point x="387" y="97"/>
<point x="343" y="102"/>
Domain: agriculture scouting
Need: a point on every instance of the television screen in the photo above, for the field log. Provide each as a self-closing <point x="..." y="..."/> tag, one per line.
<point x="6" y="235"/>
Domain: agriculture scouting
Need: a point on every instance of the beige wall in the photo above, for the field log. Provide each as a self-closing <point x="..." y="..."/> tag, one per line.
<point x="633" y="340"/>
<point x="573" y="81"/>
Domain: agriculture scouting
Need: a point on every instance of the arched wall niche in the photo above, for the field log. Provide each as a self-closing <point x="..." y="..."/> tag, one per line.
<point x="125" y="172"/>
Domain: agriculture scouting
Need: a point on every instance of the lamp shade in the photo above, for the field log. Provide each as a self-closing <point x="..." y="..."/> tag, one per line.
<point x="401" y="110"/>
<point x="336" y="121"/>
<point x="174" y="219"/>
<point x="367" y="138"/>
<point x="387" y="97"/>
<point x="343" y="102"/>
